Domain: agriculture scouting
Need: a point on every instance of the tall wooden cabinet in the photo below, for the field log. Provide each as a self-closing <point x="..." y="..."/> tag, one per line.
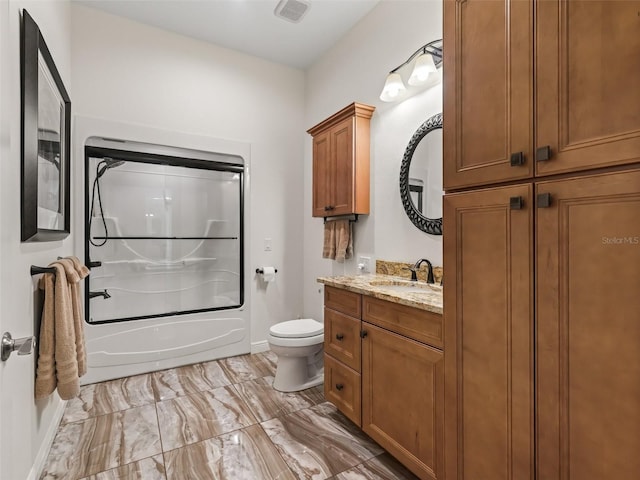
<point x="488" y="298"/>
<point x="542" y="330"/>
<point x="341" y="147"/>
<point x="588" y="328"/>
<point x="579" y="60"/>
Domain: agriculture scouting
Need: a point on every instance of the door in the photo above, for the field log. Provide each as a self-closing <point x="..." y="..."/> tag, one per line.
<point x="343" y="156"/>
<point x="488" y="100"/>
<point x="588" y="65"/>
<point x="588" y="328"/>
<point x="322" y="166"/>
<point x="488" y="334"/>
<point x="402" y="399"/>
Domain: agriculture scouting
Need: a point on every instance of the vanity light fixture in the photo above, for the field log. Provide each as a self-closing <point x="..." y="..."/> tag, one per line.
<point x="427" y="59"/>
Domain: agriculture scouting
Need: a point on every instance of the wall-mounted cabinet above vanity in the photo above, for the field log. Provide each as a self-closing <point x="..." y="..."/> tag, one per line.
<point x="341" y="146"/>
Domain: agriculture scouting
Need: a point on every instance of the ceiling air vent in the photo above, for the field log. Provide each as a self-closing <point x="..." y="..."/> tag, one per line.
<point x="292" y="10"/>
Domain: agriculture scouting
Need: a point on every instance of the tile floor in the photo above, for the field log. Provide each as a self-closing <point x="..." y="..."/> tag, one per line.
<point x="217" y="420"/>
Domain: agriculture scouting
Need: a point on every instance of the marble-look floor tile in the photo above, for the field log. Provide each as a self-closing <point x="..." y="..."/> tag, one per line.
<point x="241" y="455"/>
<point x="108" y="397"/>
<point x="151" y="468"/>
<point x="318" y="443"/>
<point x="266" y="361"/>
<point x="382" y="467"/>
<point x="189" y="379"/>
<point x="200" y="416"/>
<point x="245" y="367"/>
<point x="267" y="403"/>
<point x="101" y="443"/>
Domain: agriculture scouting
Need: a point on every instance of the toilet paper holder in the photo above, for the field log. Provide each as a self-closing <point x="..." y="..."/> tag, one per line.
<point x="261" y="271"/>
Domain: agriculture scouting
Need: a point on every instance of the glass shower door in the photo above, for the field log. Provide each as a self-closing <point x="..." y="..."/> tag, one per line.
<point x="167" y="236"/>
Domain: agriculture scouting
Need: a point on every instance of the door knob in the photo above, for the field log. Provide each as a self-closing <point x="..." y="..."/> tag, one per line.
<point x="24" y="346"/>
<point x="339" y="336"/>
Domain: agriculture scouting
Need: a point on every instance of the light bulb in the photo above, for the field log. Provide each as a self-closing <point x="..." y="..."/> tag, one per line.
<point x="393" y="88"/>
<point x="422" y="70"/>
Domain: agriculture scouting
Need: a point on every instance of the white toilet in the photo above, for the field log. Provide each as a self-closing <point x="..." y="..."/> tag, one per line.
<point x="299" y="347"/>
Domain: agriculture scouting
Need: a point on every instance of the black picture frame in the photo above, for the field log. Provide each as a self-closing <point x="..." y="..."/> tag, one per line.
<point x="46" y="141"/>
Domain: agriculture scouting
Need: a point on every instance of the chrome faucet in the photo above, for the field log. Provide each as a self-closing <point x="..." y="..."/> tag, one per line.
<point x="414" y="270"/>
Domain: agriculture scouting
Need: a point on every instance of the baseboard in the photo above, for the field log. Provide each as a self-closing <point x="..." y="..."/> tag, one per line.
<point x="45" y="446"/>
<point x="258" y="347"/>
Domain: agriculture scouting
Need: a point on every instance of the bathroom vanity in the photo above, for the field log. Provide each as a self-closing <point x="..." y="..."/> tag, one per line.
<point x="384" y="364"/>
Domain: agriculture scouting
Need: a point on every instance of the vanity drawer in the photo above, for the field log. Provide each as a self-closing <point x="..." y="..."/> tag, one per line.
<point x="342" y="388"/>
<point x="343" y="301"/>
<point x="420" y="325"/>
<point x="342" y="338"/>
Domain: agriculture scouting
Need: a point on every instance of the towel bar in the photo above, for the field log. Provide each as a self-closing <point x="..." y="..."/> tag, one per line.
<point x="351" y="220"/>
<point x="38" y="270"/>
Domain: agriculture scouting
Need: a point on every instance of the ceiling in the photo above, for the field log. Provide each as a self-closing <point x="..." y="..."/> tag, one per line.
<point x="249" y="26"/>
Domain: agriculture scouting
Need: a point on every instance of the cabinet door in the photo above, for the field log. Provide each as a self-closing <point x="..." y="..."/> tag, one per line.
<point x="342" y="174"/>
<point x="488" y="334"/>
<point x="488" y="96"/>
<point x="402" y="399"/>
<point x="588" y="66"/>
<point x="322" y="167"/>
<point x="588" y="328"/>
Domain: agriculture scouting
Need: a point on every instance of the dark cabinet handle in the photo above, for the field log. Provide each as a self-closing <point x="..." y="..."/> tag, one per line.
<point x="339" y="386"/>
<point x="543" y="153"/>
<point x="516" y="203"/>
<point x="363" y="333"/>
<point x="339" y="337"/>
<point x="543" y="200"/>
<point x="329" y="207"/>
<point x="517" y="159"/>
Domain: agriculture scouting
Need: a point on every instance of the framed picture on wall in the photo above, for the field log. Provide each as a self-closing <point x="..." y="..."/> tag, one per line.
<point x="46" y="138"/>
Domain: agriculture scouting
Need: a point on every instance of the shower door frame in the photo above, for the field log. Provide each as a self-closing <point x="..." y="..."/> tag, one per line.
<point x="160" y="159"/>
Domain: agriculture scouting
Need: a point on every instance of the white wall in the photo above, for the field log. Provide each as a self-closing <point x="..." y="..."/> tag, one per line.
<point x="129" y="72"/>
<point x="26" y="425"/>
<point x="355" y="70"/>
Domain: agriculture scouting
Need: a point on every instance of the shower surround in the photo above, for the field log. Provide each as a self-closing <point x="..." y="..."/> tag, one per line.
<point x="165" y="237"/>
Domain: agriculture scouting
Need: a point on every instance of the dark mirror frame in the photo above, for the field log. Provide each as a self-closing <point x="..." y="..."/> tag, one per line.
<point x="432" y="226"/>
<point x="31" y="45"/>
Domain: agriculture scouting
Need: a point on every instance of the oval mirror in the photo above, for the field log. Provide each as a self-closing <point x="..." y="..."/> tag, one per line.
<point x="421" y="177"/>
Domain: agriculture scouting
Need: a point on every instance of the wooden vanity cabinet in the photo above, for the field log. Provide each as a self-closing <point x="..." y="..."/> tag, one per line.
<point x="403" y="385"/>
<point x="384" y="371"/>
<point x="341" y="147"/>
<point x="583" y="78"/>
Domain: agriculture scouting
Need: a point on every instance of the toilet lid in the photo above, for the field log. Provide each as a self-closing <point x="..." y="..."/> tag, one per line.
<point x="301" y="328"/>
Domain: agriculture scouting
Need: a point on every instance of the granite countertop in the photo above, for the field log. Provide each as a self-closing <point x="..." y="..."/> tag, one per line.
<point x="391" y="288"/>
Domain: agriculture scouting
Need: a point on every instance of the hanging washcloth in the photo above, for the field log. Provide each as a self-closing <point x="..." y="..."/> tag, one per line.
<point x="329" y="245"/>
<point x="344" y="240"/>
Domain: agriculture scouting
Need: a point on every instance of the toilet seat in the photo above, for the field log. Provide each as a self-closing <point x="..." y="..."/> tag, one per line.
<point x="301" y="328"/>
<point x="296" y="341"/>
